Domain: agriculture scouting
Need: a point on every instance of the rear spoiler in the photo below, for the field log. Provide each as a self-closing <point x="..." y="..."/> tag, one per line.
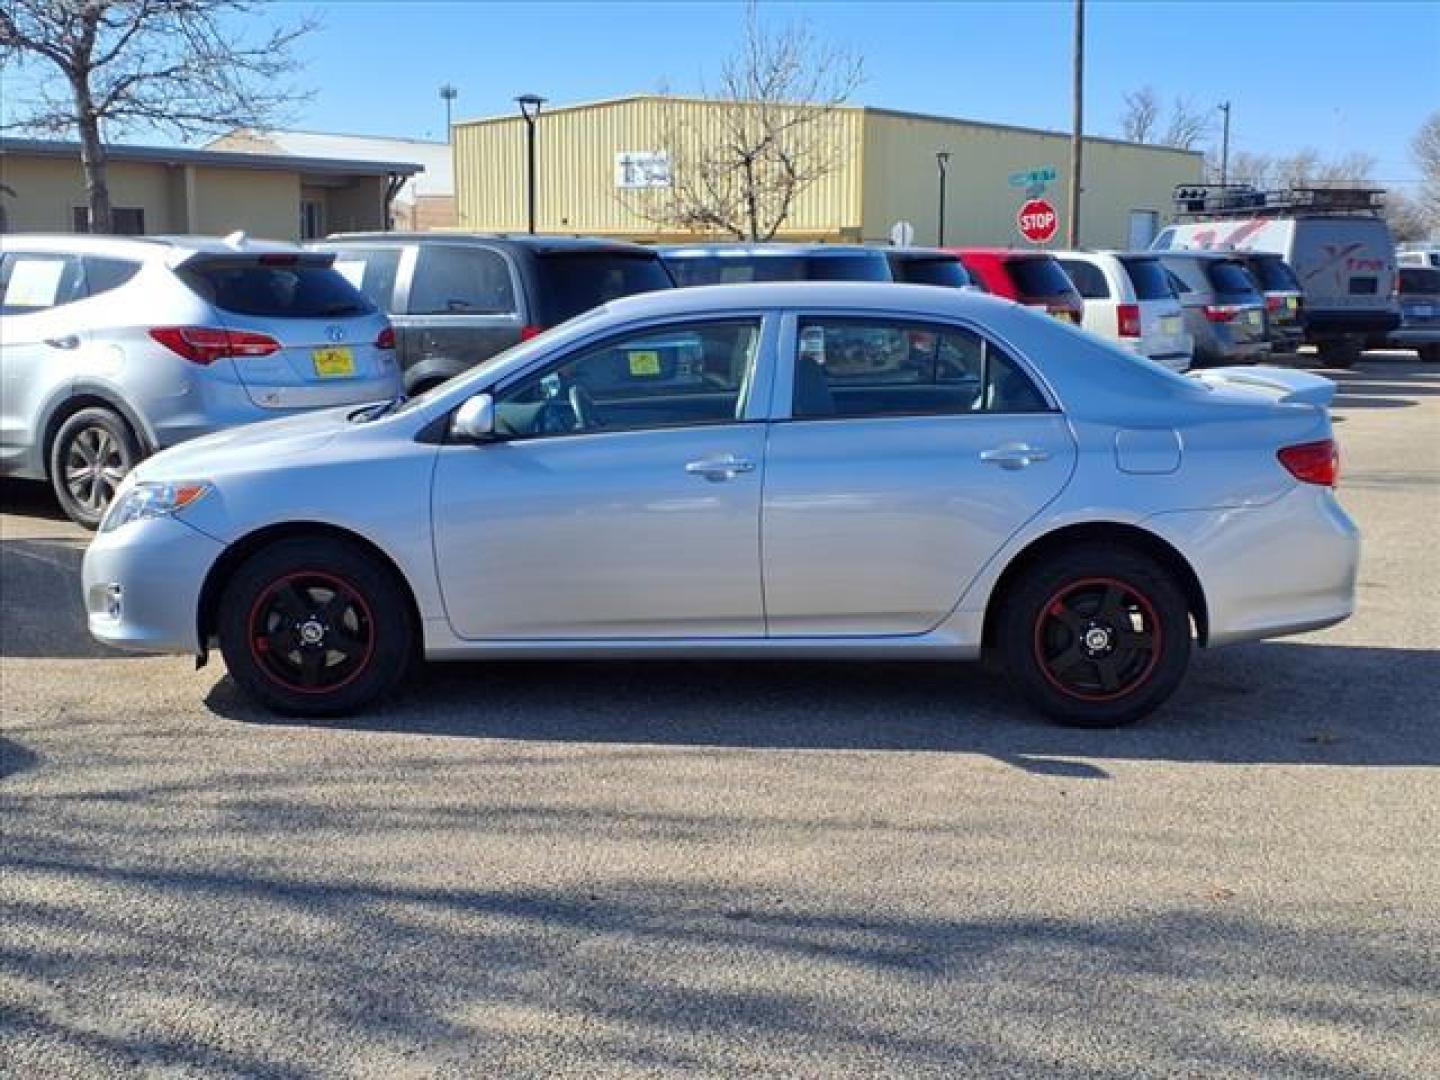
<point x="277" y="255"/>
<point x="1284" y="384"/>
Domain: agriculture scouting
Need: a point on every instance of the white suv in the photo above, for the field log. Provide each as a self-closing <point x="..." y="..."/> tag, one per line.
<point x="112" y="349"/>
<point x="1130" y="300"/>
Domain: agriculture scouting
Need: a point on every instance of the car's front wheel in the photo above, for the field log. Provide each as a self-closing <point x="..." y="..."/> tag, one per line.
<point x="1095" y="636"/>
<point x="315" y="627"/>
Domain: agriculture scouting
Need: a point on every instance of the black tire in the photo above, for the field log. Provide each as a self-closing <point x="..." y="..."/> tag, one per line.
<point x="1095" y="590"/>
<point x="1430" y="354"/>
<point x="1339" y="354"/>
<point x="316" y="627"/>
<point x="89" y="456"/>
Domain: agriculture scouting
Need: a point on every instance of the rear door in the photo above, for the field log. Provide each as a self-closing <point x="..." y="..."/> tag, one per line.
<point x="1238" y="303"/>
<point x="1344" y="264"/>
<point x="1040" y="282"/>
<point x="905" y="453"/>
<point x="314" y="335"/>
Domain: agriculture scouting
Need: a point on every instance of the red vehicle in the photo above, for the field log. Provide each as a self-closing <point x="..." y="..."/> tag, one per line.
<point x="1032" y="278"/>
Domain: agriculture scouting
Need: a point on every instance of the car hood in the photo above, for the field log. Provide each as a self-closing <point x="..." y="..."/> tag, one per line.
<point x="249" y="446"/>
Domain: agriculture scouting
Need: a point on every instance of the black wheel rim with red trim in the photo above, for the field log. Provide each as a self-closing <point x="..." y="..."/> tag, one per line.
<point x="312" y="632"/>
<point x="1098" y="639"/>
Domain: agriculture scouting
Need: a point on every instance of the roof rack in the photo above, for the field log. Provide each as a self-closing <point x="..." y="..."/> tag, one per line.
<point x="1246" y="201"/>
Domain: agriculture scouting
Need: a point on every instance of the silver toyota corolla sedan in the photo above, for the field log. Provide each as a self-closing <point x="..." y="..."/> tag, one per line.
<point x="842" y="470"/>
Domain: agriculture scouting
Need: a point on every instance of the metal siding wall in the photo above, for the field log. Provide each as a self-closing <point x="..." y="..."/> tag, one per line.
<point x="902" y="181"/>
<point x="576" y="150"/>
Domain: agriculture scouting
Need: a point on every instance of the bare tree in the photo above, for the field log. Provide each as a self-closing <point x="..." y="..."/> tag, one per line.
<point x="1405" y="216"/>
<point x="1425" y="148"/>
<point x="769" y="133"/>
<point x="1187" y="125"/>
<point x="180" y="66"/>
<point x="1141" y="116"/>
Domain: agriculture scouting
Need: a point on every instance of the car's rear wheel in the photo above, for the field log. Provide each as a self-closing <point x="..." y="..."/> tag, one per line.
<point x="1095" y="636"/>
<point x="90" y="455"/>
<point x="1430" y="354"/>
<point x="316" y="627"/>
<point x="1339" y="354"/>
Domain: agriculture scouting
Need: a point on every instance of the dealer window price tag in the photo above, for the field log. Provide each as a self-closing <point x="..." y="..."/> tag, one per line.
<point x="336" y="363"/>
<point x="644" y="363"/>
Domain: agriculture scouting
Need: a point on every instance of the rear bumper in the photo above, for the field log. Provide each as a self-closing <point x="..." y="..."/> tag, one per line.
<point x="1416" y="335"/>
<point x="1320" y="325"/>
<point x="1283" y="568"/>
<point x="226" y="405"/>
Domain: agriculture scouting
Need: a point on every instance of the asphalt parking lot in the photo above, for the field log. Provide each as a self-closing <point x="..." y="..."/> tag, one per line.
<point x="765" y="869"/>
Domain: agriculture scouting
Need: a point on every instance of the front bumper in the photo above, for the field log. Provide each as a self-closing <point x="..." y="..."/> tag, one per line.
<point x="1283" y="568"/>
<point x="141" y="585"/>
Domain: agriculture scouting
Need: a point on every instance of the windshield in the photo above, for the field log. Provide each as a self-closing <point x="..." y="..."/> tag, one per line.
<point x="1420" y="280"/>
<point x="941" y="270"/>
<point x="735" y="269"/>
<point x="574" y="282"/>
<point x="1150" y="280"/>
<point x="274" y="287"/>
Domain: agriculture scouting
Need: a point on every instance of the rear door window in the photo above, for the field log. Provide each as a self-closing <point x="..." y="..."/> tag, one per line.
<point x="372" y="271"/>
<point x="1150" y="280"/>
<point x="1086" y="277"/>
<point x="454" y="280"/>
<point x="852" y="368"/>
<point x="574" y="282"/>
<point x="1037" y="278"/>
<point x="276" y="287"/>
<point x="1229" y="277"/>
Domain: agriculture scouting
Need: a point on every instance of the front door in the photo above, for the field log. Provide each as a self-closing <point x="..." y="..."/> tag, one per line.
<point x="620" y="499"/>
<point x="914" y="451"/>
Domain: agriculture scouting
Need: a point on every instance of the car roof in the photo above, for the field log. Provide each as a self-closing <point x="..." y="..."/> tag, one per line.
<point x="686" y="251"/>
<point x="917" y="253"/>
<point x="1002" y="253"/>
<point x="1197" y="254"/>
<point x="541" y="244"/>
<point x="144" y="247"/>
<point x="859" y="296"/>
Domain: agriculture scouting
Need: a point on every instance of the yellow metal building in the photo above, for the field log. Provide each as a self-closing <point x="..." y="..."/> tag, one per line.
<point x="887" y="173"/>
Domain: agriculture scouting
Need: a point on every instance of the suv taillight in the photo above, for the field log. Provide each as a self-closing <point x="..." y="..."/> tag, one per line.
<point x="1274" y="302"/>
<point x="1222" y="312"/>
<point x="1128" y="316"/>
<point x="1312" y="462"/>
<point x="386" y="340"/>
<point x="205" y="344"/>
<point x="528" y="332"/>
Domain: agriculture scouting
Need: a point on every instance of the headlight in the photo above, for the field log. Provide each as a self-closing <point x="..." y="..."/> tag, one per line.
<point x="140" y="500"/>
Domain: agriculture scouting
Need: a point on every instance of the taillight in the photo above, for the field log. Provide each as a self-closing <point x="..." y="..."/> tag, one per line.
<point x="205" y="344"/>
<point x="528" y="332"/>
<point x="1128" y="316"/>
<point x="1222" y="312"/>
<point x="1313" y="462"/>
<point x="386" y="338"/>
<point x="1274" y="303"/>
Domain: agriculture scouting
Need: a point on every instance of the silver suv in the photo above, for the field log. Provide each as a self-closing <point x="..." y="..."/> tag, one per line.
<point x="112" y="349"/>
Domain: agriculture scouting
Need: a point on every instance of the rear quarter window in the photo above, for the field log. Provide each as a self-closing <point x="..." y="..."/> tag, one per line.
<point x="294" y="290"/>
<point x="574" y="282"/>
<point x="1273" y="275"/>
<point x="938" y="271"/>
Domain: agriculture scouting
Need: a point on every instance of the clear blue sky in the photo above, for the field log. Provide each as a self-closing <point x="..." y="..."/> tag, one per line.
<point x="1338" y="77"/>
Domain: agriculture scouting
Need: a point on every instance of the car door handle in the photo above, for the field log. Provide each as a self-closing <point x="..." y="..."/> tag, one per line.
<point x="1014" y="455"/>
<point x="721" y="468"/>
<point x="69" y="341"/>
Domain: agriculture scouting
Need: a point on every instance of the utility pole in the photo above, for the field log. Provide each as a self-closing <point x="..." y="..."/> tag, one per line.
<point x="448" y="94"/>
<point x="1224" y="107"/>
<point x="942" y="162"/>
<point x="1077" y="128"/>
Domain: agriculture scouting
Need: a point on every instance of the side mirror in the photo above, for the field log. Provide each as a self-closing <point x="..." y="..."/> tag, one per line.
<point x="475" y="420"/>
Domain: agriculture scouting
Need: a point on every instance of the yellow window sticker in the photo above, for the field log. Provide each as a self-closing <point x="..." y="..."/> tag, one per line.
<point x="644" y="362"/>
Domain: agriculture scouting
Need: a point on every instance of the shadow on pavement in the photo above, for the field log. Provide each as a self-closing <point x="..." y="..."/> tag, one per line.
<point x="1269" y="702"/>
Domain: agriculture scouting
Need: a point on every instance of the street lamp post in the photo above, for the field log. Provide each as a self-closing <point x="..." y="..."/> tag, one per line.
<point x="942" y="162"/>
<point x="1224" y="107"/>
<point x="448" y="94"/>
<point x="530" y="110"/>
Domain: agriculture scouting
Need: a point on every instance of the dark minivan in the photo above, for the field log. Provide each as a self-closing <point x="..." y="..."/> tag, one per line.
<point x="456" y="300"/>
<point x="728" y="264"/>
<point x="1284" y="298"/>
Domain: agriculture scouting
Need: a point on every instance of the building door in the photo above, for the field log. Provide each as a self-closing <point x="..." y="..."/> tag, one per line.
<point x="1144" y="224"/>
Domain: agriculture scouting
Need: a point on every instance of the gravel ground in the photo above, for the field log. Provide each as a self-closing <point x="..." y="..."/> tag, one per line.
<point x="719" y="869"/>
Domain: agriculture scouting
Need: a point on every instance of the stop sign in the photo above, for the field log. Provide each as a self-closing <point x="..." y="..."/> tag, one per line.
<point x="1037" y="221"/>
